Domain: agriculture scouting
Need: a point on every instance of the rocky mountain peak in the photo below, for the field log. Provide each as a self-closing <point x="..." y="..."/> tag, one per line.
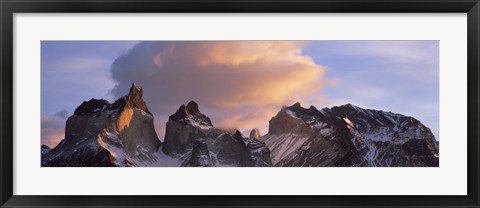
<point x="238" y="134"/>
<point x="134" y="99"/>
<point x="190" y="113"/>
<point x="191" y="137"/>
<point x="45" y="149"/>
<point x="136" y="89"/>
<point x="299" y="110"/>
<point x="180" y="114"/>
<point x="367" y="137"/>
<point x="296" y="105"/>
<point x="91" y="107"/>
<point x="255" y="134"/>
<point x="104" y="134"/>
<point x="349" y="107"/>
<point x="192" y="108"/>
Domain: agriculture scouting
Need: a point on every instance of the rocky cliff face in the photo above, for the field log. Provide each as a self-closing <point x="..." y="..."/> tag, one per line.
<point x="348" y="136"/>
<point x="255" y="134"/>
<point x="122" y="134"/>
<point x="104" y="134"/>
<point x="45" y="149"/>
<point x="191" y="137"/>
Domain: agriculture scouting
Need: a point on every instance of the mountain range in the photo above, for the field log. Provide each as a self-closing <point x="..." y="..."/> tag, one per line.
<point x="122" y="133"/>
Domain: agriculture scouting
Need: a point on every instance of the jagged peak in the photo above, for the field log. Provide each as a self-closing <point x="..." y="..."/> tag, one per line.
<point x="298" y="109"/>
<point x="134" y="99"/>
<point x="185" y="111"/>
<point x="349" y="105"/>
<point x="296" y="105"/>
<point x="255" y="134"/>
<point x="192" y="107"/>
<point x="91" y="107"/>
<point x="191" y="112"/>
<point x="181" y="113"/>
<point x="238" y="134"/>
<point x="45" y="149"/>
<point x="136" y="89"/>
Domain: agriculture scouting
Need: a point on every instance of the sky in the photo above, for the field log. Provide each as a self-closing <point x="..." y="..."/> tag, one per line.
<point x="240" y="84"/>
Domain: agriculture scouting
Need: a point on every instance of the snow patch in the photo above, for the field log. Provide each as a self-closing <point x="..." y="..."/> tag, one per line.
<point x="349" y="123"/>
<point x="390" y="118"/>
<point x="319" y="125"/>
<point x="326" y="131"/>
<point x="283" y="145"/>
<point x="144" y="113"/>
<point x="291" y="113"/>
<point x="117" y="152"/>
<point x="198" y="124"/>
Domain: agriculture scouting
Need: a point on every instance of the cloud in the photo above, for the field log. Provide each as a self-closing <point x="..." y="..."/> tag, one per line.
<point x="74" y="71"/>
<point x="234" y="82"/>
<point x="52" y="130"/>
<point x="63" y="114"/>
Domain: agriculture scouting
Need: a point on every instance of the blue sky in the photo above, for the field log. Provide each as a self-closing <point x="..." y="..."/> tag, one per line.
<point x="397" y="76"/>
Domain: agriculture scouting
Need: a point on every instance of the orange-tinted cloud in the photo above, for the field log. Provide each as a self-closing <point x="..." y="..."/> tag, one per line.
<point x="239" y="83"/>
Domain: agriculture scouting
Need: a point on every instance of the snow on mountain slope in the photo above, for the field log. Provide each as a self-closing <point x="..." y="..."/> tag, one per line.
<point x="104" y="134"/>
<point x="191" y="137"/>
<point x="348" y="136"/>
<point x="283" y="145"/>
<point x="122" y="134"/>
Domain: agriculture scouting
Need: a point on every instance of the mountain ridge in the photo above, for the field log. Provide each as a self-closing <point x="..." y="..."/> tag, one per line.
<point x="100" y="133"/>
<point x="122" y="133"/>
<point x="348" y="135"/>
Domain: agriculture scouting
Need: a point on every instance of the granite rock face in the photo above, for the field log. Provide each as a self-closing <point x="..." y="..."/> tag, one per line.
<point x="122" y="133"/>
<point x="255" y="134"/>
<point x="348" y="136"/>
<point x="191" y="137"/>
<point x="45" y="149"/>
<point x="104" y="134"/>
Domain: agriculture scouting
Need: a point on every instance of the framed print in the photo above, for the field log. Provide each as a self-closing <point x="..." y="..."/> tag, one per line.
<point x="245" y="104"/>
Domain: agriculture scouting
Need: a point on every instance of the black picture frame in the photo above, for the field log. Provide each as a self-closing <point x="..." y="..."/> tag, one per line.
<point x="10" y="7"/>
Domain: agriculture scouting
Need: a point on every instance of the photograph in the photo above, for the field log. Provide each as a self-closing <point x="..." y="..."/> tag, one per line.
<point x="193" y="103"/>
<point x="240" y="103"/>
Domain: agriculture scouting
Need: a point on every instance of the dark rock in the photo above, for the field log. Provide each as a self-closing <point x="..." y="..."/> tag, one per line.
<point x="135" y="98"/>
<point x="45" y="149"/>
<point x="229" y="150"/>
<point x="348" y="136"/>
<point x="200" y="154"/>
<point x="91" y="107"/>
<point x="190" y="134"/>
<point x="420" y="152"/>
<point x="104" y="134"/>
